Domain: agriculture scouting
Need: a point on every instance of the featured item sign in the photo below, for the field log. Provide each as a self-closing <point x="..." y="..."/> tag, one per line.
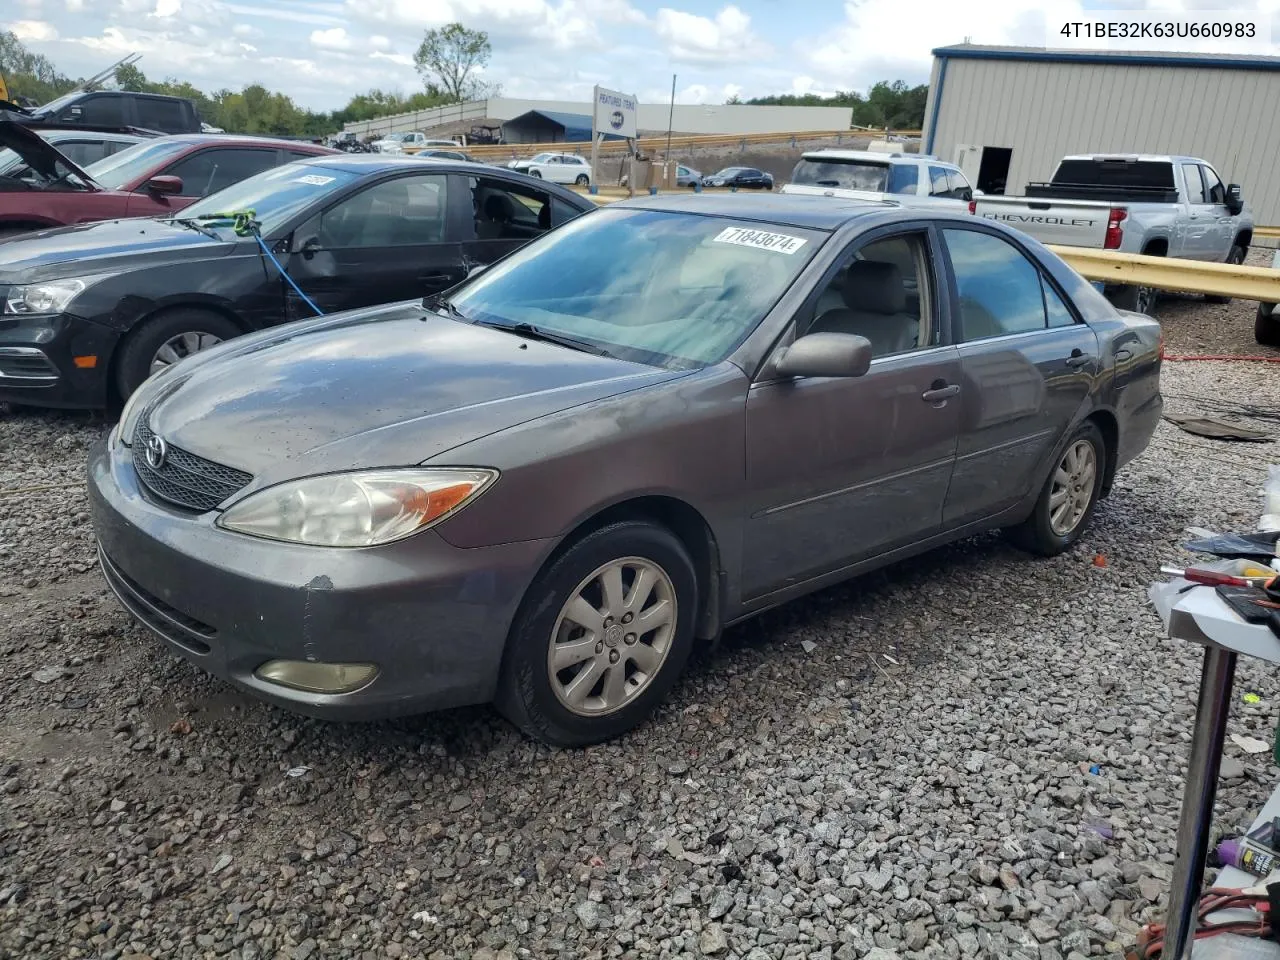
<point x="615" y="113"/>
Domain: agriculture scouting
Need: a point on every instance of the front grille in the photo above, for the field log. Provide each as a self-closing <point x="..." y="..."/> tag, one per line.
<point x="185" y="479"/>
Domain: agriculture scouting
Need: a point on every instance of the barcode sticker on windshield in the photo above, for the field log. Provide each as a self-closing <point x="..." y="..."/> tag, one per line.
<point x="760" y="239"/>
<point x="314" y="179"/>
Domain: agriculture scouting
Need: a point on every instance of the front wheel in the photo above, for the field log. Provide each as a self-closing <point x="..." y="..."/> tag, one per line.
<point x="1137" y="299"/>
<point x="536" y="173"/>
<point x="1067" y="501"/>
<point x="582" y="180"/>
<point x="1234" y="258"/>
<point x="165" y="340"/>
<point x="602" y="636"/>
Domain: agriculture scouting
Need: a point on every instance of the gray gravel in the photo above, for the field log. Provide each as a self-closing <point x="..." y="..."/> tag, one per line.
<point x="1193" y="326"/>
<point x="892" y="769"/>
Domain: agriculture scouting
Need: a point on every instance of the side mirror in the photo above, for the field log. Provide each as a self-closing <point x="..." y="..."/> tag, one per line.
<point x="165" y="186"/>
<point x="1235" y="202"/>
<point x="826" y="355"/>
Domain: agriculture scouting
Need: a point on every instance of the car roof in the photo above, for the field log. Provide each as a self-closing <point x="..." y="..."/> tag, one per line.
<point x="1142" y="157"/>
<point x="795" y="210"/>
<point x="873" y="156"/>
<point x="243" y="140"/>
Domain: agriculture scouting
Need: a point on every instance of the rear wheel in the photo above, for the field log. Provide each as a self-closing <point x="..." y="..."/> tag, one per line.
<point x="536" y="173"/>
<point x="165" y="340"/>
<point x="1069" y="496"/>
<point x="602" y="636"/>
<point x="1235" y="257"/>
<point x="582" y="180"/>
<point x="1137" y="299"/>
<point x="1266" y="325"/>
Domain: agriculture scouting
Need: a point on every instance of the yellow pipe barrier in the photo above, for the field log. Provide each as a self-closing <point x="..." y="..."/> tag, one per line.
<point x="1271" y="232"/>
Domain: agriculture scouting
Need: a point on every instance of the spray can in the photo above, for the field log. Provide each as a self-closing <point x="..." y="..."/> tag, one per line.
<point x="1246" y="857"/>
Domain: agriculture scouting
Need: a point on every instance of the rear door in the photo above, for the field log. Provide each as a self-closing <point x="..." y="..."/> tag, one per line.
<point x="1027" y="364"/>
<point x="396" y="239"/>
<point x="1200" y="230"/>
<point x="842" y="469"/>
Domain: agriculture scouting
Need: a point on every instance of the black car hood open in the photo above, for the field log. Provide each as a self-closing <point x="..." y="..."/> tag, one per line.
<point x="394" y="387"/>
<point x="109" y="246"/>
<point x="37" y="153"/>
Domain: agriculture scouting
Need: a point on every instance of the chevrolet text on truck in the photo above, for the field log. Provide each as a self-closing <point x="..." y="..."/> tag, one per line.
<point x="1162" y="206"/>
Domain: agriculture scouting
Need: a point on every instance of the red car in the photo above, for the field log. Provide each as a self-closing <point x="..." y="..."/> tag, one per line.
<point x="152" y="179"/>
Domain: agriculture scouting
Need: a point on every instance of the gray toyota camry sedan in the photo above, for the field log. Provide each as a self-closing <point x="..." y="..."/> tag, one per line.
<point x="546" y="487"/>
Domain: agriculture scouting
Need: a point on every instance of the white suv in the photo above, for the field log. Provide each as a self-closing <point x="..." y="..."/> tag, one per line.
<point x="910" y="179"/>
<point x="556" y="167"/>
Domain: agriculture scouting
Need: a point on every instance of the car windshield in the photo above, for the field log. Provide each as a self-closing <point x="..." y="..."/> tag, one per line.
<point x="542" y="157"/>
<point x="275" y="196"/>
<point x="667" y="289"/>
<point x="121" y="169"/>
<point x="845" y="174"/>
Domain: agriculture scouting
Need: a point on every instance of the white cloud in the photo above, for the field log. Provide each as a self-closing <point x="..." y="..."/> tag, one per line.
<point x="401" y="59"/>
<point x="335" y="38"/>
<point x="167" y="8"/>
<point x="379" y="42"/>
<point x="694" y="39"/>
<point x="75" y="6"/>
<point x="34" y="30"/>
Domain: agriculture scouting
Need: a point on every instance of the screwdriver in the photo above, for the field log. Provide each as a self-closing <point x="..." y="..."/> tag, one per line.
<point x="1216" y="579"/>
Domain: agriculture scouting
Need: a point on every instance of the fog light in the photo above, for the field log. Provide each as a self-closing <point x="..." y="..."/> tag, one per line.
<point x="317" y="677"/>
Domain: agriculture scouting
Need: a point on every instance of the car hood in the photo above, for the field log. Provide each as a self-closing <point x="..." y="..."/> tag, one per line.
<point x="107" y="246"/>
<point x="37" y="153"/>
<point x="393" y="386"/>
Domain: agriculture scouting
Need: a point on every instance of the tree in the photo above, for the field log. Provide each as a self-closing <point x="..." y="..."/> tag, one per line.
<point x="451" y="55"/>
<point x="30" y="74"/>
<point x="129" y="77"/>
<point x="735" y="99"/>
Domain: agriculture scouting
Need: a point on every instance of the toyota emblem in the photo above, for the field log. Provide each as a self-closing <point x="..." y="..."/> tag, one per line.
<point x="157" y="451"/>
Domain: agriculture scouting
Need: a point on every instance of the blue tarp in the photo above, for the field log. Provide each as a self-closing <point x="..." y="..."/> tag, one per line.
<point x="576" y="127"/>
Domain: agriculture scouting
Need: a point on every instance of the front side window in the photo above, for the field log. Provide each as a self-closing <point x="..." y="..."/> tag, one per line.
<point x="1214" y="189"/>
<point x="667" y="289"/>
<point x="881" y="292"/>
<point x="403" y="212"/>
<point x="209" y="171"/>
<point x="504" y="211"/>
<point x="999" y="288"/>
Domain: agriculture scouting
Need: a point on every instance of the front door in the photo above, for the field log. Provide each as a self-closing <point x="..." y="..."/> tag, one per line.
<point x="1027" y="364"/>
<point x="397" y="239"/>
<point x="841" y="469"/>
<point x="1223" y="233"/>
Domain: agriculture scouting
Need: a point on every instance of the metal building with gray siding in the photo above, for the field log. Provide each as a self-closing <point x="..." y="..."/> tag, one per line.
<point x="1029" y="107"/>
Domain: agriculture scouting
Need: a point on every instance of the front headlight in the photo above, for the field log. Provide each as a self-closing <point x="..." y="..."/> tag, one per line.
<point x="43" y="299"/>
<point x="361" y="509"/>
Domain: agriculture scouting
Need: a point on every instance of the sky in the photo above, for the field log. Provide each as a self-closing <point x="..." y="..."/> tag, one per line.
<point x="321" y="52"/>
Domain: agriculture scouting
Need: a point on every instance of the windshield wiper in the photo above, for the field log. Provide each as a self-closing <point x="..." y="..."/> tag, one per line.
<point x="440" y="303"/>
<point x="197" y="226"/>
<point x="530" y="332"/>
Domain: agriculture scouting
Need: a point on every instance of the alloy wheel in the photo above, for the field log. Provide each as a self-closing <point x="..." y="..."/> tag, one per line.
<point x="182" y="346"/>
<point x="612" y="636"/>
<point x="1073" y="484"/>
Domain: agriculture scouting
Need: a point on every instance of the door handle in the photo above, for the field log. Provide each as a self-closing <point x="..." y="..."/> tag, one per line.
<point x="940" y="391"/>
<point x="1078" y="358"/>
<point x="1123" y="354"/>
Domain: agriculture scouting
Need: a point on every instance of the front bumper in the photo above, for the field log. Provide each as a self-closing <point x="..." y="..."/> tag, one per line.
<point x="38" y="361"/>
<point x="433" y="618"/>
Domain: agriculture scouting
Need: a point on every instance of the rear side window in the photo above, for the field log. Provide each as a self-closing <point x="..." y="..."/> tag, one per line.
<point x="209" y="171"/>
<point x="939" y="186"/>
<point x="1000" y="289"/>
<point x="1115" y="173"/>
<point x="904" y="178"/>
<point x="82" y="152"/>
<point x="169" y="116"/>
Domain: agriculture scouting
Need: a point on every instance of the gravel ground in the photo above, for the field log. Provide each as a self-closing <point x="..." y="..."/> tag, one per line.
<point x="899" y="767"/>
<point x="1192" y="326"/>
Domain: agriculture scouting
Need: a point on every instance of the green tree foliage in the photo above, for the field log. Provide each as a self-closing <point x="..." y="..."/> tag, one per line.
<point x="30" y="74"/>
<point x="894" y="105"/>
<point x="450" y="57"/>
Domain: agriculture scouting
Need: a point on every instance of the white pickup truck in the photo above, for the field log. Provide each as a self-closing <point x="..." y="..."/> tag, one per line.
<point x="1164" y="206"/>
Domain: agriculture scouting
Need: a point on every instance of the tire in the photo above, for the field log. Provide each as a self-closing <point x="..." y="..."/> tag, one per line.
<point x="1266" y="325"/>
<point x="1235" y="257"/>
<point x="537" y="700"/>
<point x="146" y="340"/>
<point x="1038" y="533"/>
<point x="1138" y="299"/>
<point x="582" y="180"/>
<point x="536" y="173"/>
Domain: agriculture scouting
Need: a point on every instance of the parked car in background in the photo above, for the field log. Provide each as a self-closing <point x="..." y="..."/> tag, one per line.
<point x="1162" y="206"/>
<point x="408" y="143"/>
<point x="122" y="108"/>
<point x="437" y="154"/>
<point x="744" y="178"/>
<point x="92" y="311"/>
<point x="156" y="177"/>
<point x="544" y="488"/>
<point x="556" y="167"/>
<point x="908" y="179"/>
<point x="81" y="146"/>
<point x="687" y="176"/>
